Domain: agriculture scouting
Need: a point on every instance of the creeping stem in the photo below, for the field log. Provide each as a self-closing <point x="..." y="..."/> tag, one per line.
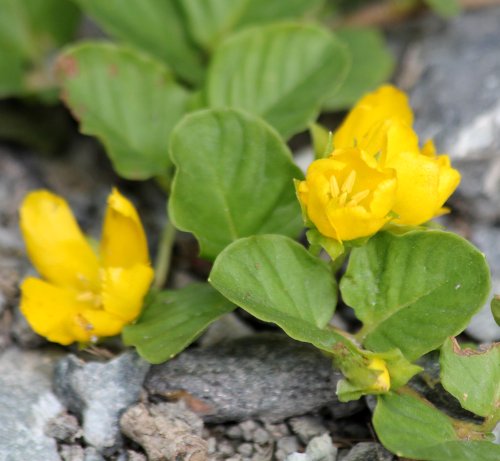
<point x="164" y="255"/>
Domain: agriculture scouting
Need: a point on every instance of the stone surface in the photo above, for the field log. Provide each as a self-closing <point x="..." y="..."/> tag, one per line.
<point x="166" y="431"/>
<point x="483" y="327"/>
<point x="63" y="427"/>
<point x="452" y="70"/>
<point x="286" y="446"/>
<point x="318" y="449"/>
<point x="27" y="403"/>
<point x="100" y="392"/>
<point x="307" y="427"/>
<point x="267" y="376"/>
<point x="368" y="451"/>
<point x="228" y="327"/>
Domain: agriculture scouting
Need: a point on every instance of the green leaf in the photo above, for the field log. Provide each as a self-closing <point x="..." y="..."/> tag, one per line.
<point x="322" y="140"/>
<point x="156" y="27"/>
<point x="211" y="20"/>
<point x="282" y="72"/>
<point x="495" y="308"/>
<point x="413" y="428"/>
<point x="445" y="8"/>
<point x="128" y="100"/>
<point x="412" y="291"/>
<point x="234" y="178"/>
<point x="263" y="11"/>
<point x="172" y="320"/>
<point x="277" y="280"/>
<point x="371" y="64"/>
<point x="30" y="32"/>
<point x="473" y="377"/>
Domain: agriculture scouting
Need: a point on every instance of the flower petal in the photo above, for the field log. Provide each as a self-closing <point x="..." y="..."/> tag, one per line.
<point x="53" y="312"/>
<point x="55" y="243"/>
<point x="123" y="242"/>
<point x="123" y="290"/>
<point x="366" y="124"/>
<point x="101" y="323"/>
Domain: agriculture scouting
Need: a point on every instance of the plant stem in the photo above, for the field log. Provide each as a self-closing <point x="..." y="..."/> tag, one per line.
<point x="164" y="255"/>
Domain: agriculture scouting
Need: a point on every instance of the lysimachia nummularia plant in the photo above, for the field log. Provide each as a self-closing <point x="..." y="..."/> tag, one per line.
<point x="207" y="109"/>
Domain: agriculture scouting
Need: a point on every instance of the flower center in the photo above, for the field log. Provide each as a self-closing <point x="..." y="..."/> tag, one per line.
<point x="344" y="194"/>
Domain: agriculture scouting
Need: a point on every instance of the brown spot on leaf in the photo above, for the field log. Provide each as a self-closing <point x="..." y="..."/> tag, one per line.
<point x="113" y="70"/>
<point x="67" y="66"/>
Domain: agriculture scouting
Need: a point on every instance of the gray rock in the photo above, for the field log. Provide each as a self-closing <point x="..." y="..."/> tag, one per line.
<point x="72" y="453"/>
<point x="228" y="327"/>
<point x="27" y="403"/>
<point x="307" y="427"/>
<point x="64" y="428"/>
<point x="166" y="431"/>
<point x="368" y="451"/>
<point x="267" y="376"/>
<point x="245" y="449"/>
<point x="100" y="392"/>
<point x="286" y="446"/>
<point x="22" y="333"/>
<point x="248" y="428"/>
<point x="318" y="449"/>
<point x="225" y="448"/>
<point x="454" y="83"/>
<point x="91" y="454"/>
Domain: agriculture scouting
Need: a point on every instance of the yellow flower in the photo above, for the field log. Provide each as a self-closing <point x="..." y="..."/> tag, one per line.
<point x="380" y="123"/>
<point x="84" y="295"/>
<point x="383" y="381"/>
<point x="368" y="121"/>
<point x="347" y="195"/>
<point x="425" y="180"/>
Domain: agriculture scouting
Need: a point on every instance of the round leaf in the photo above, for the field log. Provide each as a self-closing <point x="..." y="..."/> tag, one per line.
<point x="172" y="320"/>
<point x="473" y="377"/>
<point x="277" y="280"/>
<point x="413" y="428"/>
<point x="129" y="101"/>
<point x="234" y="178"/>
<point x="154" y="26"/>
<point x="211" y="20"/>
<point x="412" y="291"/>
<point x="281" y="72"/>
<point x="371" y="65"/>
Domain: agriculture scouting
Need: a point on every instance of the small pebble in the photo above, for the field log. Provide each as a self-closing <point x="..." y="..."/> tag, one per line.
<point x="245" y="449"/>
<point x="225" y="448"/>
<point x="71" y="453"/>
<point x="288" y="444"/>
<point x="64" y="428"/>
<point x="277" y="431"/>
<point x="261" y="436"/>
<point x="248" y="428"/>
<point x="307" y="427"/>
<point x="211" y="445"/>
<point x="135" y="456"/>
<point x="91" y="454"/>
<point x="234" y="432"/>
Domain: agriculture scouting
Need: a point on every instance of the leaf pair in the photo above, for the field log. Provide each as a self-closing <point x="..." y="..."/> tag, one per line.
<point x="412" y="427"/>
<point x="131" y="102"/>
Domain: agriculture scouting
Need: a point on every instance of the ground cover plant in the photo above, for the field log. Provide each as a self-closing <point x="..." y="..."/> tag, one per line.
<point x="207" y="112"/>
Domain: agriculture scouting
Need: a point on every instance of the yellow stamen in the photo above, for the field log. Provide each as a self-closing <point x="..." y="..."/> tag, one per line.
<point x="334" y="187"/>
<point x="349" y="182"/>
<point x="342" y="199"/>
<point x="360" y="196"/>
